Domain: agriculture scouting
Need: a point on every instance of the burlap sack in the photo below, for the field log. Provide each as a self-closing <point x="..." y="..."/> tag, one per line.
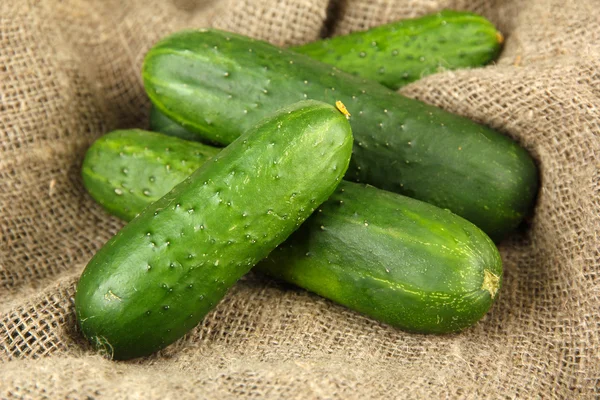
<point x="69" y="72"/>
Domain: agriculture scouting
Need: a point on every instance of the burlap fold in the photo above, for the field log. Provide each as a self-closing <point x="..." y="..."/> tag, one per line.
<point x="69" y="72"/>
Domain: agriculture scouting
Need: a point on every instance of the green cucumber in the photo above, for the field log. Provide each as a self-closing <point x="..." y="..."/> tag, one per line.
<point x="401" y="52"/>
<point x="393" y="258"/>
<point x="394" y="54"/>
<point x="396" y="259"/>
<point x="160" y="275"/>
<point x="218" y="84"/>
<point x="135" y="153"/>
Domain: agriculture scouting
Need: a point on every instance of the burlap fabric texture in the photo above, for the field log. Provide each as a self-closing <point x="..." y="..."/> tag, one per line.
<point x="69" y="72"/>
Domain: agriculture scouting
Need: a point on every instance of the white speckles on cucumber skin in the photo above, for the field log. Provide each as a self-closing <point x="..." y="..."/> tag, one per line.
<point x="464" y="310"/>
<point x="288" y="81"/>
<point x="166" y="213"/>
<point x="134" y="146"/>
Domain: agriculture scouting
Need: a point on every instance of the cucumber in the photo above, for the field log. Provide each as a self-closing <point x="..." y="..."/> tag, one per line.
<point x="160" y="275"/>
<point x="401" y="52"/>
<point x="135" y="170"/>
<point x="396" y="259"/>
<point x="218" y="84"/>
<point x="393" y="258"/>
<point x="394" y="54"/>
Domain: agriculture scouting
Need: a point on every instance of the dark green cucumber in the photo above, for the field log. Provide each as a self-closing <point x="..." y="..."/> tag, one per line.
<point x="391" y="257"/>
<point x="218" y="84"/>
<point x="141" y="159"/>
<point x="160" y="275"/>
<point x="401" y="52"/>
<point x="396" y="259"/>
<point x="394" y="54"/>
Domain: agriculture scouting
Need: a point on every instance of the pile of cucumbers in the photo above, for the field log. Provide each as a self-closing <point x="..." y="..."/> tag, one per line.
<point x="305" y="164"/>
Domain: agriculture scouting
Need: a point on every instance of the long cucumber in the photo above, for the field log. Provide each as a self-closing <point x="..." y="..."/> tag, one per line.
<point x="160" y="275"/>
<point x="218" y="84"/>
<point x="396" y="259"/>
<point x="401" y="52"/>
<point x="394" y="54"/>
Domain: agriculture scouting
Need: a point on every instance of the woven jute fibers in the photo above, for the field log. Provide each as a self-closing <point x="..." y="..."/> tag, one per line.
<point x="70" y="72"/>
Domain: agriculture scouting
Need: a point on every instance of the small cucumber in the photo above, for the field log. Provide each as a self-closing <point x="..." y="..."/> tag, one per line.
<point x="393" y="258"/>
<point x="401" y="52"/>
<point x="218" y="84"/>
<point x="160" y="275"/>
<point x="117" y="161"/>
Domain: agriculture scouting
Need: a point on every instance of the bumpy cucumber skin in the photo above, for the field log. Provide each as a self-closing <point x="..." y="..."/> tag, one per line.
<point x="124" y="169"/>
<point x="394" y="54"/>
<point x="395" y="259"/>
<point x="160" y="275"/>
<point x="218" y="84"/>
<point x="401" y="52"/>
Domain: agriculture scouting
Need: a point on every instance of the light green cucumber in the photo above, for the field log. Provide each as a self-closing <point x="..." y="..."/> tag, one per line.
<point x="218" y="84"/>
<point x="159" y="276"/>
<point x="393" y="258"/>
<point x="132" y="165"/>
<point x="401" y="52"/>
